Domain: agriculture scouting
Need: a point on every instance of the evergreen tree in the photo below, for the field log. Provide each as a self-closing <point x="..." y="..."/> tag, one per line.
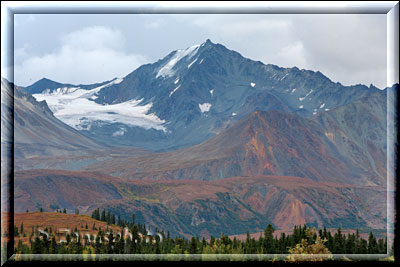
<point x="53" y="246"/>
<point x="136" y="248"/>
<point x="357" y="241"/>
<point x="203" y="244"/>
<point x="338" y="242"/>
<point x="385" y="246"/>
<point x="362" y="247"/>
<point x="372" y="245"/>
<point x="381" y="246"/>
<point x="108" y="217"/>
<point x="269" y="242"/>
<point x="193" y="246"/>
<point x="324" y="234"/>
<point x="133" y="218"/>
<point x="36" y="245"/>
<point x="68" y="238"/>
<point x="167" y="244"/>
<point x="110" y="243"/>
<point x="119" y="244"/>
<point x="96" y="214"/>
<point x="350" y="247"/>
<point x="103" y="216"/>
<point x="45" y="244"/>
<point x="98" y="240"/>
<point x="16" y="230"/>
<point x="282" y="244"/>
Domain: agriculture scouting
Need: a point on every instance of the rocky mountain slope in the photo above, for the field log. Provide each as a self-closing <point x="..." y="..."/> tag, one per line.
<point x="35" y="130"/>
<point x="189" y="96"/>
<point x="346" y="144"/>
<point x="39" y="140"/>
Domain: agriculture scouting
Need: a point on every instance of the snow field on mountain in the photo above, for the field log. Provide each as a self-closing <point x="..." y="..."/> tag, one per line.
<point x="74" y="107"/>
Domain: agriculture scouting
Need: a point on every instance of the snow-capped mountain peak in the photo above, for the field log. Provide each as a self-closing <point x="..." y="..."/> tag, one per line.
<point x="167" y="70"/>
<point x="189" y="96"/>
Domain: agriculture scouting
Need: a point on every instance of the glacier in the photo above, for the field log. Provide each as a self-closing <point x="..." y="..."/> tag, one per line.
<point x="75" y="107"/>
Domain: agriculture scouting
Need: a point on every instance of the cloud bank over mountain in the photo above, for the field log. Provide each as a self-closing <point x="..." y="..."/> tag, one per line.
<point x="349" y="48"/>
<point x="83" y="56"/>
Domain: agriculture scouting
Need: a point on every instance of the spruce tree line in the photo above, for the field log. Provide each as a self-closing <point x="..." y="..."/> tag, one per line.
<point x="268" y="243"/>
<point x="110" y="218"/>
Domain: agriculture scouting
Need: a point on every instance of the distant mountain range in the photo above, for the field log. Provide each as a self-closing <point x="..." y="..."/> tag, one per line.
<point x="189" y="96"/>
<point x="205" y="141"/>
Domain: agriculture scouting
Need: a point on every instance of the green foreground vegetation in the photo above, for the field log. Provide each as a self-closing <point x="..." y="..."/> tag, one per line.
<point x="135" y="239"/>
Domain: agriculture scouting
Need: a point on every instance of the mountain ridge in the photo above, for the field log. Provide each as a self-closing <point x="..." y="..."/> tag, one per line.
<point x="205" y="88"/>
<point x="322" y="148"/>
<point x="35" y="130"/>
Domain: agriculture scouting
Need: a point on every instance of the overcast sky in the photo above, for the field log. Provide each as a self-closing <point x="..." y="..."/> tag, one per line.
<point x="90" y="48"/>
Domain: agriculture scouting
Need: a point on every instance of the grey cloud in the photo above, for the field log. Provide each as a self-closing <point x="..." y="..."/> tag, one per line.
<point x="349" y="49"/>
<point x="88" y="55"/>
